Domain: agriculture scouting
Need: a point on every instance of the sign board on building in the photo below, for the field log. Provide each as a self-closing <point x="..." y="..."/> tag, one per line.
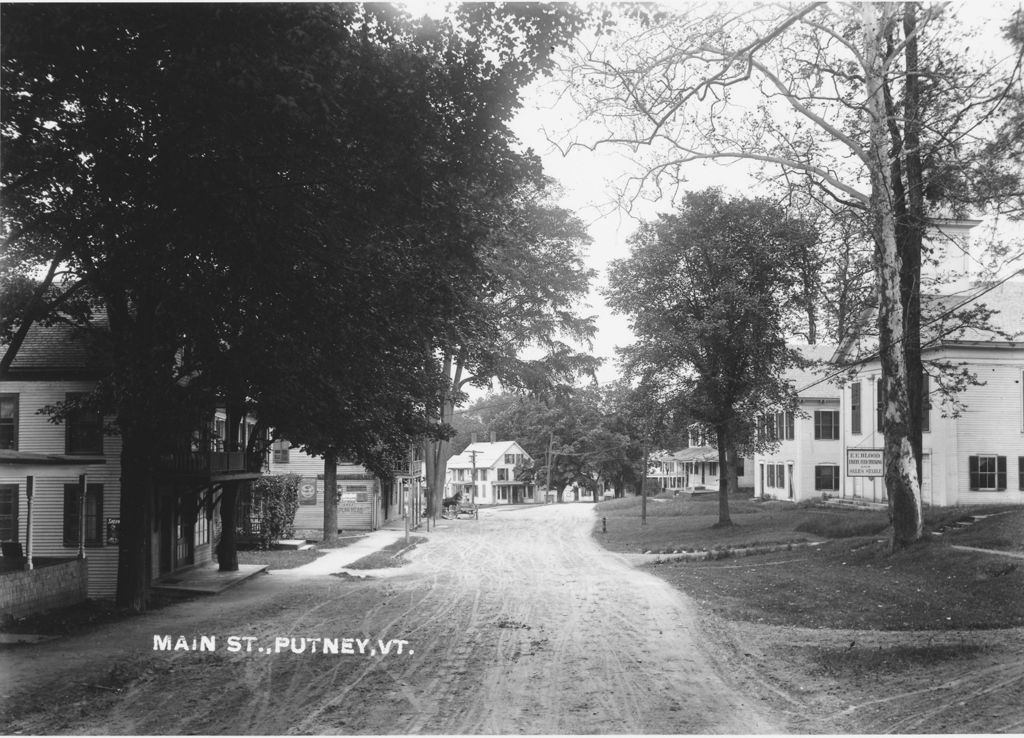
<point x="307" y="491"/>
<point x="865" y="462"/>
<point x="113" y="531"/>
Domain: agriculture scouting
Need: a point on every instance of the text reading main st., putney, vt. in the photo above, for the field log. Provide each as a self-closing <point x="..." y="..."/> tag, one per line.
<point x="283" y="644"/>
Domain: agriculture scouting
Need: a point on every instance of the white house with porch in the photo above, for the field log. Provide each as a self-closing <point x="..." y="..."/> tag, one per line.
<point x="485" y="474"/>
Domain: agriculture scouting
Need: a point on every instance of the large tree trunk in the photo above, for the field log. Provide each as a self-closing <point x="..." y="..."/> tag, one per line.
<point x="901" y="478"/>
<point x="138" y="495"/>
<point x="724" y="439"/>
<point x="227" y="549"/>
<point x="912" y="236"/>
<point x="330" y="500"/>
<point x="732" y="481"/>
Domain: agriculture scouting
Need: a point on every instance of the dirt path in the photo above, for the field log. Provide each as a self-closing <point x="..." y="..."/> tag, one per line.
<point x="516" y="623"/>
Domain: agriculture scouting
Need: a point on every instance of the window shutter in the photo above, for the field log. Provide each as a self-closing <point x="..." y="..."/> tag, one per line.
<point x="972" y="467"/>
<point x="70" y="514"/>
<point x="855" y="407"/>
<point x="1020" y="472"/>
<point x="1000" y="472"/>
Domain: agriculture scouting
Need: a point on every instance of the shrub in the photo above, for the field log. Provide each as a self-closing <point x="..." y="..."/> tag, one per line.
<point x="275" y="501"/>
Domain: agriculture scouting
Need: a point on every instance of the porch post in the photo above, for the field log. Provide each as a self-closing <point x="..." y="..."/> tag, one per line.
<point x="29" y="490"/>
<point x="81" y="516"/>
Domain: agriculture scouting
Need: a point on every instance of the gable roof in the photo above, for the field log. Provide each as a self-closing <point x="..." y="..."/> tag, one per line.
<point x="942" y="323"/>
<point x="487" y="454"/>
<point x="59" y="349"/>
<point x="808" y="378"/>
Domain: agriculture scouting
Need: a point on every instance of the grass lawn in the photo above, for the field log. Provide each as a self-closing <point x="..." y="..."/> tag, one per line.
<point x="280" y="558"/>
<point x="386" y="558"/>
<point x="849" y="581"/>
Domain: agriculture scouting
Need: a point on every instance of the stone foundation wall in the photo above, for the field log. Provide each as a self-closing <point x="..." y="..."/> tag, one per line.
<point x="44" y="588"/>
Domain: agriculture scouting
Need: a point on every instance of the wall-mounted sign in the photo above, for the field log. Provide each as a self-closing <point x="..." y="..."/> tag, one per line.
<point x="307" y="492"/>
<point x="113" y="529"/>
<point x="865" y="462"/>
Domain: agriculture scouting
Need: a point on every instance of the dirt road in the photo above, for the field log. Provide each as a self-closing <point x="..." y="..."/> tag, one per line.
<point x="516" y="623"/>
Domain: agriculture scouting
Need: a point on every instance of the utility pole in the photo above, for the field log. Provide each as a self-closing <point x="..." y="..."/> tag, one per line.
<point x="551" y="441"/>
<point x="472" y="456"/>
<point x="643" y="488"/>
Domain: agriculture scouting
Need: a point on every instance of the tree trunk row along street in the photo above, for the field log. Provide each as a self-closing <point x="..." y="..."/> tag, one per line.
<point x="516" y="623"/>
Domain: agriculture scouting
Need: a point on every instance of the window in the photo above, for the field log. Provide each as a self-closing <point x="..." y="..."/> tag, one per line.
<point x="8" y="512"/>
<point x="202" y="531"/>
<point x="855" y="408"/>
<point x="220" y="432"/>
<point x="780" y="476"/>
<point x="739" y="467"/>
<point x="481" y="474"/>
<point x="826" y="478"/>
<point x="93" y="514"/>
<point x="713" y="469"/>
<point x="987" y="472"/>
<point x="83" y="429"/>
<point x="9" y="422"/>
<point x="790" y="426"/>
<point x="826" y="425"/>
<point x="771" y="475"/>
<point x="502" y="474"/>
<point x="780" y="426"/>
<point x="510" y="458"/>
<point x="280" y="449"/>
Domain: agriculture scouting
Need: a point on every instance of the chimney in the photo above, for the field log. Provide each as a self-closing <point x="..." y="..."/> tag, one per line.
<point x="472" y="437"/>
<point x="494" y="437"/>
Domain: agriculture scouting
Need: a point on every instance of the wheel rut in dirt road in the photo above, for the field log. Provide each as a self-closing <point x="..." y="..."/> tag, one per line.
<point x="529" y="626"/>
<point x="518" y="622"/>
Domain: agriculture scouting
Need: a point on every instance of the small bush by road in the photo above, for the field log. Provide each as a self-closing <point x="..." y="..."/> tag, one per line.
<point x="848" y="579"/>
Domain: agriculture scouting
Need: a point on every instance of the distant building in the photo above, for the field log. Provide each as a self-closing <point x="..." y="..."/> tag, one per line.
<point x="696" y="468"/>
<point x="486" y="473"/>
<point x="807" y="458"/>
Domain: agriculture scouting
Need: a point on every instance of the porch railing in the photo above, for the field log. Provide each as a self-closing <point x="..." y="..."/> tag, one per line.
<point x="200" y="462"/>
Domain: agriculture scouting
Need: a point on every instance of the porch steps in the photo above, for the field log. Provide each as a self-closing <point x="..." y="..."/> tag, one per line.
<point x="293" y="544"/>
<point x="206" y="579"/>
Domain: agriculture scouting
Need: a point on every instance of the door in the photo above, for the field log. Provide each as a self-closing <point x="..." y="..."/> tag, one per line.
<point x="184" y="531"/>
<point x="926" y="478"/>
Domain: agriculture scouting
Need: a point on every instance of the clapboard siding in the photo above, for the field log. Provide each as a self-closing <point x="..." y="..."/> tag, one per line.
<point x="309" y="519"/>
<point x="37" y="434"/>
<point x="992" y="425"/>
<point x="990" y="422"/>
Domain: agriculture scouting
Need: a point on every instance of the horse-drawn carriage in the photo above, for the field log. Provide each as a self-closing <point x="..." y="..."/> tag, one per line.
<point x="453" y="507"/>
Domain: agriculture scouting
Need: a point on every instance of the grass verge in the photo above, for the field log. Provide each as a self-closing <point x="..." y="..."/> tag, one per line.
<point x="850" y="580"/>
<point x="280" y="558"/>
<point x="388" y="557"/>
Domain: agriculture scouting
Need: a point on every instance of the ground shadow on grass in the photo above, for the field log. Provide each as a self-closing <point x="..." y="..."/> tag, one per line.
<point x="858" y="584"/>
